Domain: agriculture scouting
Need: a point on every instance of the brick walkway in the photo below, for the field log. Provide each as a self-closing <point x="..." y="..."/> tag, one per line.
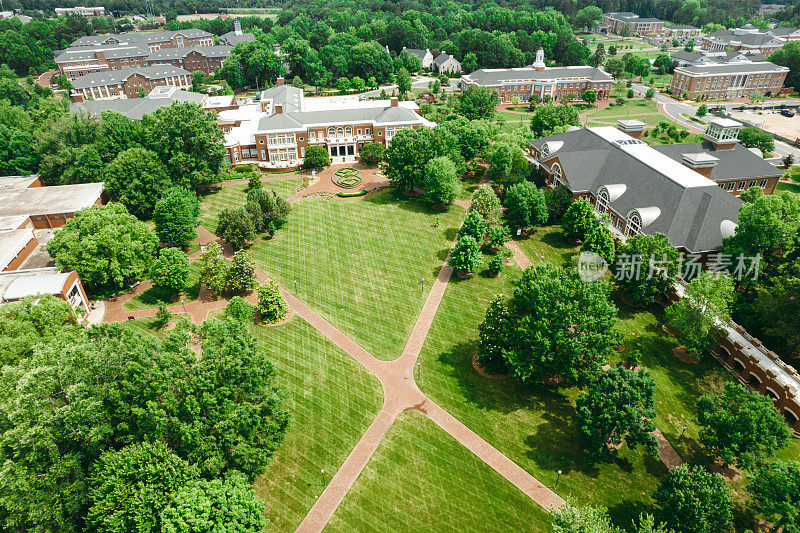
<point x="402" y="394"/>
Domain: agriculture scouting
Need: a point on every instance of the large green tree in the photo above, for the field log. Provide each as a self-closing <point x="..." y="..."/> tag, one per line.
<point x="693" y="500"/>
<point x="789" y="56"/>
<point x="741" y="426"/>
<point x="486" y="202"/>
<point x="188" y="141"/>
<point x="579" y="219"/>
<point x="175" y="215"/>
<point x="619" y="406"/>
<point x="106" y="245"/>
<point x="33" y="320"/>
<point x="646" y="267"/>
<point x="549" y="119"/>
<point x="170" y="271"/>
<point x="442" y="184"/>
<point x="477" y="103"/>
<point x="526" y="206"/>
<point x="776" y="493"/>
<point x="137" y="178"/>
<point x="559" y="325"/>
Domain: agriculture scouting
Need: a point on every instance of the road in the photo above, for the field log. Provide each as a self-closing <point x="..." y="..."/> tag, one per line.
<point x="674" y="109"/>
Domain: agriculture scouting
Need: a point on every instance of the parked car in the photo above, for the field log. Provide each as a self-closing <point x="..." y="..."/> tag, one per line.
<point x="787" y="113"/>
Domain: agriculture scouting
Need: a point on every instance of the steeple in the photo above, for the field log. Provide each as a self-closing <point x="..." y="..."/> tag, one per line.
<point x="539" y="63"/>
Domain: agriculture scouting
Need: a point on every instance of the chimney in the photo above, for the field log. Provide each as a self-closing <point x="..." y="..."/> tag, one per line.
<point x="723" y="133"/>
<point x="703" y="163"/>
<point x="279" y="81"/>
<point x="278" y="109"/>
<point x="237" y="27"/>
<point x="634" y="128"/>
<point x="393" y="101"/>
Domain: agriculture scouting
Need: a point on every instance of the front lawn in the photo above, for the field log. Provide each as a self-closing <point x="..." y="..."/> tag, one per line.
<point x="422" y="479"/>
<point x="365" y="265"/>
<point x="332" y="400"/>
<point x="215" y="199"/>
<point x="632" y="107"/>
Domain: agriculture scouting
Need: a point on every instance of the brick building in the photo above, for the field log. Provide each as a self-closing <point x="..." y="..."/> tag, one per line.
<point x="128" y="82"/>
<point x="276" y="131"/>
<point x="729" y="80"/>
<point x="89" y="12"/>
<point x="749" y="39"/>
<point x="616" y="22"/>
<point x="46" y="207"/>
<point x="540" y="80"/>
<point x="189" y="49"/>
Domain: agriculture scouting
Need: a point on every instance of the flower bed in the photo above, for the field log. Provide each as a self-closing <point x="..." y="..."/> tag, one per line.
<point x="347" y="177"/>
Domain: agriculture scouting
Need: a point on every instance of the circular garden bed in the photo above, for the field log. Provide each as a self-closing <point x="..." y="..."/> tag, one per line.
<point x="347" y="177"/>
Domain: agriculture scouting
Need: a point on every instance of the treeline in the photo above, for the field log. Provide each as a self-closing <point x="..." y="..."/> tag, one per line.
<point x="139" y="7"/>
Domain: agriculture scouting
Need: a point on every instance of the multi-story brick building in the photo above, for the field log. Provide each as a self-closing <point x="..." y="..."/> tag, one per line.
<point x="642" y="27"/>
<point x="99" y="11"/>
<point x="128" y="82"/>
<point x="189" y="49"/>
<point x="276" y="131"/>
<point x="749" y="39"/>
<point x="541" y="81"/>
<point x="740" y="79"/>
<point x="681" y="32"/>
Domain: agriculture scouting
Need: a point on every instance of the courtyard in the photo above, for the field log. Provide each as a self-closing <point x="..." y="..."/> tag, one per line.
<point x="379" y="327"/>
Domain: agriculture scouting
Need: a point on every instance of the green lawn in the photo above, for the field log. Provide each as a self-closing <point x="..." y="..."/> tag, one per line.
<point x="791" y="187"/>
<point x="155" y="296"/>
<point x="361" y="264"/>
<point x="215" y="199"/>
<point x="422" y="479"/>
<point x="332" y="400"/>
<point x="632" y="107"/>
<point x="533" y="424"/>
<point x="145" y="325"/>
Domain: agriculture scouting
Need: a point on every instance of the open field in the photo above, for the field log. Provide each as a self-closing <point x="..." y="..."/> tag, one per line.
<point x="365" y="265"/>
<point x="427" y="481"/>
<point x="215" y="199"/>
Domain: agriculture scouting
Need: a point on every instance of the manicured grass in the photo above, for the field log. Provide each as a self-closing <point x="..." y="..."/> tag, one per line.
<point x="632" y="107"/>
<point x="791" y="187"/>
<point x="548" y="241"/>
<point x="145" y="325"/>
<point x="332" y="400"/>
<point x="154" y="296"/>
<point x="215" y="199"/>
<point x="365" y="265"/>
<point x="511" y="115"/>
<point x="533" y="425"/>
<point x="422" y="479"/>
<point x="523" y="126"/>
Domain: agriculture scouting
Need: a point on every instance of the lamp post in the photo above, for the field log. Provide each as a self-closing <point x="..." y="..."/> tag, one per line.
<point x="557" y="478"/>
<point x="322" y="471"/>
<point x="682" y="432"/>
<point x="422" y="287"/>
<point x="295" y="287"/>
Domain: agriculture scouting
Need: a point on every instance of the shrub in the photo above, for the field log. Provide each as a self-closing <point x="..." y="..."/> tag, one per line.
<point x="372" y="154"/>
<point x="170" y="270"/>
<point x="351" y="194"/>
<point x="271" y="306"/>
<point x="162" y="318"/>
<point x="496" y="264"/>
<point x="214" y="268"/>
<point x="239" y="309"/>
<point x="475" y="226"/>
<point x="498" y="236"/>
<point x="241" y="275"/>
<point x="236" y="227"/>
<point x="316" y="157"/>
<point x="466" y="255"/>
<point x="254" y="182"/>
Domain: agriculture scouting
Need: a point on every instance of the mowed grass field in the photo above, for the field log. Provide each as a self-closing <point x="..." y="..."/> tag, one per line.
<point x="365" y="265"/>
<point x="332" y="399"/>
<point x="422" y="479"/>
<point x="215" y="199"/>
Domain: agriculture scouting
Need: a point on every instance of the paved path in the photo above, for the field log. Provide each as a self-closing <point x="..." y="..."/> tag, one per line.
<point x="402" y="394"/>
<point x="519" y="256"/>
<point x="666" y="452"/>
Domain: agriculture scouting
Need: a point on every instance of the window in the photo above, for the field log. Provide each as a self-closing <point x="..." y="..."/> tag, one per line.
<point x="331" y="132"/>
<point x="366" y="131"/>
<point x="261" y="141"/>
<point x="348" y="131"/>
<point x="753" y="183"/>
<point x="763" y="184"/>
<point x="741" y="185"/>
<point x="340" y="132"/>
<point x="602" y="201"/>
<point x="301" y="138"/>
<point x="358" y="131"/>
<point x="634" y="226"/>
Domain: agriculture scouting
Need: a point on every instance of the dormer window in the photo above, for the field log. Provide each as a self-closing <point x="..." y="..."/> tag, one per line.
<point x="633" y="225"/>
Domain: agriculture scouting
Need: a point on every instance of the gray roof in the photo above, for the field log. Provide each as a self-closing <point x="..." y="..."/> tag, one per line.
<point x="681" y="27"/>
<point x="136" y="108"/>
<point x="497" y="76"/>
<point x="300" y="119"/>
<point x="177" y="53"/>
<point x="49" y="200"/>
<point x="442" y="58"/>
<point x="683" y="55"/>
<point x="417" y="52"/>
<point x="290" y="97"/>
<point x="753" y="39"/>
<point x="734" y="68"/>
<point x="232" y="38"/>
<point x="139" y="38"/>
<point x="113" y="77"/>
<point x="735" y="163"/>
<point x="691" y="207"/>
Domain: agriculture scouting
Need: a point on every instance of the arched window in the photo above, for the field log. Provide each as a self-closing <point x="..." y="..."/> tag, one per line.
<point x="331" y="131"/>
<point x="339" y="132"/>
<point x="602" y="201"/>
<point x="634" y="225"/>
<point x="348" y="131"/>
<point x="557" y="177"/>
